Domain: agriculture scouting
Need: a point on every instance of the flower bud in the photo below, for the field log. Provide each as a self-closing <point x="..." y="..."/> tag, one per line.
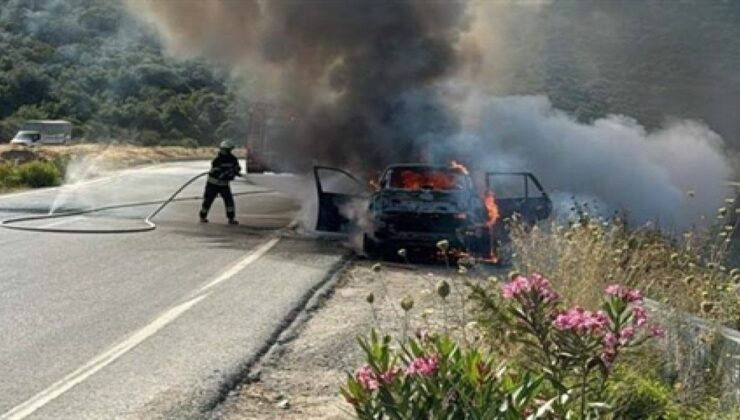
<point x="443" y="289"/>
<point x="407" y="303"/>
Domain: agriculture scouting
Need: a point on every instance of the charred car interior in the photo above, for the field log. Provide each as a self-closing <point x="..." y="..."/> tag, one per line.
<point x="415" y="206"/>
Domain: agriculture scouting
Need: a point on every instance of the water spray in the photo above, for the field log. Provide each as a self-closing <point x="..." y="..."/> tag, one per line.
<point x="148" y="221"/>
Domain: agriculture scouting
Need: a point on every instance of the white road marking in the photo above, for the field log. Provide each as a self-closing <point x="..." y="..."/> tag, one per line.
<point x="240" y="265"/>
<point x="102" y="360"/>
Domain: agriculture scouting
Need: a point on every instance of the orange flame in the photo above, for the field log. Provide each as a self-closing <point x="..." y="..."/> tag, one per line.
<point x="418" y="179"/>
<point x="491" y="207"/>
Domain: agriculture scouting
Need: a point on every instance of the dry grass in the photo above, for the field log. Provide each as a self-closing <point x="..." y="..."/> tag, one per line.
<point x="690" y="273"/>
<point x="115" y="156"/>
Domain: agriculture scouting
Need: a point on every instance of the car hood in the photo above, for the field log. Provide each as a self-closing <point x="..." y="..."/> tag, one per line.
<point x="424" y="201"/>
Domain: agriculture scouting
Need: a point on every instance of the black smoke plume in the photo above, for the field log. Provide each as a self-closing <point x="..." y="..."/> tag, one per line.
<point x="359" y="75"/>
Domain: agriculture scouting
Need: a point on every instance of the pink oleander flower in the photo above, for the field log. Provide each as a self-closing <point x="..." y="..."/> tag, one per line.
<point x="424" y="366"/>
<point x="639" y="316"/>
<point x="389" y="375"/>
<point x="582" y="321"/>
<point x="543" y="287"/>
<point x="626" y="335"/>
<point x="630" y="295"/>
<point x="366" y="377"/>
<point x="610" y="340"/>
<point x="613" y="290"/>
<point x="656" y="331"/>
<point x="521" y="285"/>
<point x="633" y="295"/>
<point x="515" y="287"/>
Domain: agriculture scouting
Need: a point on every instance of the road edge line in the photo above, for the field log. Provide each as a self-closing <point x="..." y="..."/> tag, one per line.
<point x="296" y="317"/>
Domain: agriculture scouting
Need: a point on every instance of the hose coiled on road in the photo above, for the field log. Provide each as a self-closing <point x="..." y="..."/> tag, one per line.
<point x="150" y="225"/>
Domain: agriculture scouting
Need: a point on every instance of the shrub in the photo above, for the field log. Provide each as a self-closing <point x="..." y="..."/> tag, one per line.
<point x="38" y="174"/>
<point x="433" y="377"/>
<point x="8" y="176"/>
<point x="565" y="357"/>
<point x="635" y="395"/>
<point x="574" y="348"/>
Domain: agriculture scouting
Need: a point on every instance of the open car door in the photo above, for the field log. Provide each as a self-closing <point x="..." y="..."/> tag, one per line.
<point x="336" y="188"/>
<point x="519" y="193"/>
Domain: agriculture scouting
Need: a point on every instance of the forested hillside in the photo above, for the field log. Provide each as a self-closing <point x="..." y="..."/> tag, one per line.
<point x="88" y="61"/>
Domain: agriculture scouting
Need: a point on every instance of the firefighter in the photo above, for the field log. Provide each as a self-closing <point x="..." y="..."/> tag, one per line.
<point x="224" y="168"/>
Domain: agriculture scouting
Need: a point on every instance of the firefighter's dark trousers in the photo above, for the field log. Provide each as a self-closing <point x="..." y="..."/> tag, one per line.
<point x="210" y="194"/>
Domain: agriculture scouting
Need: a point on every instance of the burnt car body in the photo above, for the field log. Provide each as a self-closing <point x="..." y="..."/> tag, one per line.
<point x="413" y="208"/>
<point x="418" y="205"/>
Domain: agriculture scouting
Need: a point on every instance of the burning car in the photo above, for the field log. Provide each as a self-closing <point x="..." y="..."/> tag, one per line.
<point x="415" y="206"/>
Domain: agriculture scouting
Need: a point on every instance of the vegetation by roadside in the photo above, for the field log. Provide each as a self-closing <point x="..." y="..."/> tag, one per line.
<point x="564" y="348"/>
<point x="45" y="166"/>
<point x="33" y="174"/>
<point x="299" y="379"/>
<point x="460" y="343"/>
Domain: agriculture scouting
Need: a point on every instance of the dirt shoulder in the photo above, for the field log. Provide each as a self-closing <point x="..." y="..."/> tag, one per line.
<point x="300" y="377"/>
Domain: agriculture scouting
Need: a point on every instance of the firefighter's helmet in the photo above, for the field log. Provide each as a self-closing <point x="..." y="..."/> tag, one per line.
<point x="227" y="144"/>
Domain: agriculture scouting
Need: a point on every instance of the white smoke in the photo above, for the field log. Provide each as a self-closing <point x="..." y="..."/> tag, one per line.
<point x="613" y="159"/>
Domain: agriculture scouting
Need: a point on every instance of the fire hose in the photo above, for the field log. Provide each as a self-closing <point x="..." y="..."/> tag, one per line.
<point x="149" y="224"/>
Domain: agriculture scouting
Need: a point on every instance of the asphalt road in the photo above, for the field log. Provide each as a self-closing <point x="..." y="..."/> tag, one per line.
<point x="148" y="325"/>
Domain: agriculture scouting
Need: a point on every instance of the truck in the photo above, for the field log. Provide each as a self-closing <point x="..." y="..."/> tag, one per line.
<point x="36" y="132"/>
<point x="270" y="128"/>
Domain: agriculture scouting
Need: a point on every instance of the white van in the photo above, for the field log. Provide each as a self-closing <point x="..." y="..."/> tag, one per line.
<point x="43" y="132"/>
